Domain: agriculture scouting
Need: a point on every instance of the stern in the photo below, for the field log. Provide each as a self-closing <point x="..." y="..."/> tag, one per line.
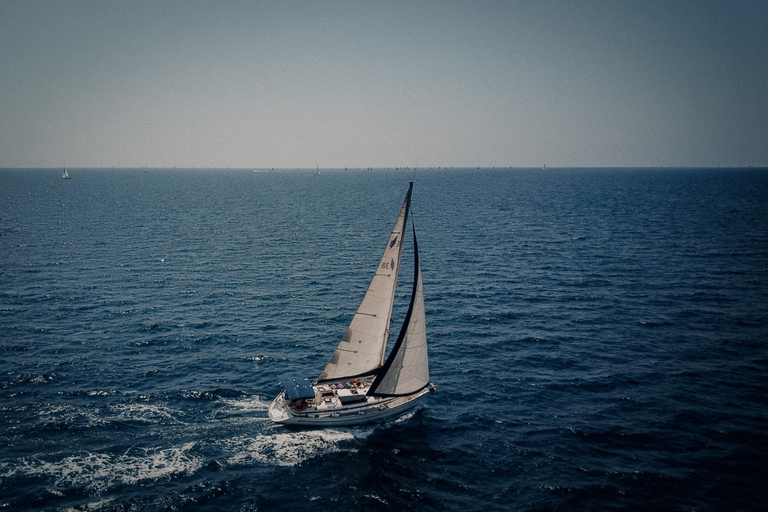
<point x="278" y="411"/>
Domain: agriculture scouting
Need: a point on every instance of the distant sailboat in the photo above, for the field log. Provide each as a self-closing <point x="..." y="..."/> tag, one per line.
<point x="65" y="175"/>
<point x="544" y="168"/>
<point x="358" y="385"/>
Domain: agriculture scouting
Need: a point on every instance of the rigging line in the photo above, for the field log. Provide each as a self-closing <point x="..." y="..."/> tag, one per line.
<point x="415" y="169"/>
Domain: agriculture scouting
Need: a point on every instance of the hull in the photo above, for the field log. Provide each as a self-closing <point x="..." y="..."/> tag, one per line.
<point x="375" y="409"/>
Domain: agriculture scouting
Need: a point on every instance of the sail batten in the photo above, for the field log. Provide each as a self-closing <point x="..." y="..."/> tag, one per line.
<point x="361" y="350"/>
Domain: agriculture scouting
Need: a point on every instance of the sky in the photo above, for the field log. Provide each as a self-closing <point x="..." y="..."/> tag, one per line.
<point x="381" y="83"/>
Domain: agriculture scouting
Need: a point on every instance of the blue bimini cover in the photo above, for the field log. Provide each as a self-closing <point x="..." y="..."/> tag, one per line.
<point x="296" y="386"/>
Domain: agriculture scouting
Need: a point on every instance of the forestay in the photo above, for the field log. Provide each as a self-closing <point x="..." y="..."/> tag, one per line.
<point x="362" y="347"/>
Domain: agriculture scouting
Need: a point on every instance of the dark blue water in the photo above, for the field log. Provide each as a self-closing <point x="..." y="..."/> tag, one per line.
<point x="598" y="337"/>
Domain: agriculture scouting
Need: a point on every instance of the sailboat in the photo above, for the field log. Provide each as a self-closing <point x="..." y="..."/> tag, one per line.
<point x="65" y="175"/>
<point x="358" y="385"/>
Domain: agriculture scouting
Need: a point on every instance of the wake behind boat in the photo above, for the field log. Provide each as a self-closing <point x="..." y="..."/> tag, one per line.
<point x="358" y="385"/>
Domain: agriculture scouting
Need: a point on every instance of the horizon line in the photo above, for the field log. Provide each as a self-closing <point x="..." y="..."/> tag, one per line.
<point x="390" y="168"/>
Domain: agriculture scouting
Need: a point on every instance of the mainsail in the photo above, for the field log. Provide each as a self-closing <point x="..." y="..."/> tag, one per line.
<point x="406" y="370"/>
<point x="361" y="350"/>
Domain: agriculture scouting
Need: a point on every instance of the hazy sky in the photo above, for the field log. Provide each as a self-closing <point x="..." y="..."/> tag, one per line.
<point x="383" y="83"/>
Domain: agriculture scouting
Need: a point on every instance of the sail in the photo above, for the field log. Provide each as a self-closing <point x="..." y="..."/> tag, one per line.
<point x="361" y="350"/>
<point x="407" y="368"/>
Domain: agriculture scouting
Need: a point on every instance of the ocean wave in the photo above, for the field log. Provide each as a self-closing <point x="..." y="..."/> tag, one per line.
<point x="617" y="371"/>
<point x="99" y="472"/>
<point x="284" y="449"/>
<point x="209" y="395"/>
<point x="246" y="404"/>
<point x="24" y="379"/>
<point x="145" y="413"/>
<point x="65" y="416"/>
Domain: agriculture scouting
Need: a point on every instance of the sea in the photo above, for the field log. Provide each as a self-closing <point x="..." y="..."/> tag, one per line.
<point x="598" y="339"/>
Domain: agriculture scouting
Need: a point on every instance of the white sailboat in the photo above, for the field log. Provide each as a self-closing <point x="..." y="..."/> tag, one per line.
<point x="65" y="175"/>
<point x="358" y="385"/>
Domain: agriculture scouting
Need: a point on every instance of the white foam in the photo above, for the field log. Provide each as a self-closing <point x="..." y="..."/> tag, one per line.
<point x="92" y="416"/>
<point x="284" y="449"/>
<point x="99" y="472"/>
<point x="143" y="412"/>
<point x="70" y="415"/>
<point x="255" y="359"/>
<point x="405" y="417"/>
<point x="100" y="392"/>
<point x="246" y="404"/>
<point x="376" y="497"/>
<point x="96" y="505"/>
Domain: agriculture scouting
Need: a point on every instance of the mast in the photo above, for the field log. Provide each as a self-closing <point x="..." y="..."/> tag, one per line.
<point x="362" y="348"/>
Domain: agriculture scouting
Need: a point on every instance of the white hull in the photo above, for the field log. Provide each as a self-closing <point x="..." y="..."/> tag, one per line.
<point x="374" y="409"/>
